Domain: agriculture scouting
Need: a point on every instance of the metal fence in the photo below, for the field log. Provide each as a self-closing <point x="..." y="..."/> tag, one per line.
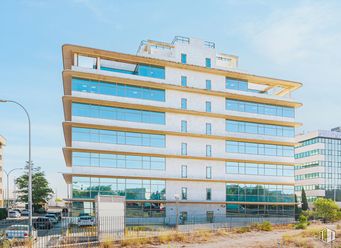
<point x="73" y="232"/>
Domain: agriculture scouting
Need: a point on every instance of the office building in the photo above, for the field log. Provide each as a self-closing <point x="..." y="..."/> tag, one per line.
<point x="177" y="126"/>
<point x="318" y="164"/>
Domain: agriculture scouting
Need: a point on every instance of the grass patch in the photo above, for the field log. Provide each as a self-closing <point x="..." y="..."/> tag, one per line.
<point x="303" y="239"/>
<point x="296" y="241"/>
<point x="243" y="229"/>
<point x="199" y="236"/>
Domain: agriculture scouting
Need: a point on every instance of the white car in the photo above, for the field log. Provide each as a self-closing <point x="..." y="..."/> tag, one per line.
<point x="19" y="232"/>
<point x="13" y="214"/>
<point x="86" y="221"/>
<point x="52" y="217"/>
<point x="25" y="212"/>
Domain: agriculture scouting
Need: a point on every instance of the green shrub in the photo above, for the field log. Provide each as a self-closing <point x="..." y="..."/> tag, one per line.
<point x="301" y="226"/>
<point x="326" y="209"/>
<point x="303" y="222"/>
<point x="265" y="226"/>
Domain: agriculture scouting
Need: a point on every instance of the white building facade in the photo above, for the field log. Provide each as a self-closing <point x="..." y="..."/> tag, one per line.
<point x="177" y="126"/>
<point x="318" y="168"/>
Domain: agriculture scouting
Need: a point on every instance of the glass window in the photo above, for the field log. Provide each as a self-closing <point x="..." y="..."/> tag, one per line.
<point x="116" y="137"/>
<point x="232" y="126"/>
<point x="132" y="189"/>
<point x="183" y="193"/>
<point x="259" y="149"/>
<point x="208" y="172"/>
<point x="184" y="126"/>
<point x="184" y="171"/>
<point x="208" y="194"/>
<point x="150" y="71"/>
<point x="183" y="81"/>
<point x="236" y="84"/>
<point x="232" y="146"/>
<point x="208" y="62"/>
<point x="258" y="108"/>
<point x="184" y="58"/>
<point x="259" y="193"/>
<point x="208" y="151"/>
<point x="208" y="129"/>
<point x="231" y="168"/>
<point x="183" y="103"/>
<point x="114" y="113"/>
<point x="208" y="85"/>
<point x="183" y="148"/>
<point x="208" y="106"/>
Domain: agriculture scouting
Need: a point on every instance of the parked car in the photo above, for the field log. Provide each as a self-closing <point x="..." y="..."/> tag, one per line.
<point x="17" y="209"/>
<point x="43" y="223"/>
<point x="84" y="214"/>
<point x="25" y="212"/>
<point x="20" y="232"/>
<point x="13" y="214"/>
<point x="53" y="218"/>
<point x="86" y="221"/>
<point x="57" y="214"/>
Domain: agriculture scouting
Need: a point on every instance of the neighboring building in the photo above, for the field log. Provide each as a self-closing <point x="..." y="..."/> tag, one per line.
<point x="177" y="125"/>
<point x="2" y="144"/>
<point x="318" y="164"/>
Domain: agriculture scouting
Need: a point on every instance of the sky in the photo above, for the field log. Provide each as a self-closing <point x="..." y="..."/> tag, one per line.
<point x="295" y="40"/>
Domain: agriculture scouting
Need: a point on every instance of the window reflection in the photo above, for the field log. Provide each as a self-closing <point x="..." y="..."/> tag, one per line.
<point x="259" y="128"/>
<point x="259" y="193"/>
<point x="114" y="113"/>
<point x="259" y="149"/>
<point x="117" y="137"/>
<point x="118" y="161"/>
<point x="258" y="108"/>
<point x="115" y="89"/>
<point x="132" y="189"/>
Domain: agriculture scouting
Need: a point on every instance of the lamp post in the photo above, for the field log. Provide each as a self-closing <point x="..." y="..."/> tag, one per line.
<point x="7" y="174"/>
<point x="29" y="162"/>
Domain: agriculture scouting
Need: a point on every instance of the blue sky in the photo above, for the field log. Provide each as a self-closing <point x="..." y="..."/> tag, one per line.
<point x="295" y="40"/>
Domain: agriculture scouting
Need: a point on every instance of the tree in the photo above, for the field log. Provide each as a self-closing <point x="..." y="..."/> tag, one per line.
<point x="304" y="200"/>
<point x="41" y="191"/>
<point x="297" y="210"/>
<point x="326" y="209"/>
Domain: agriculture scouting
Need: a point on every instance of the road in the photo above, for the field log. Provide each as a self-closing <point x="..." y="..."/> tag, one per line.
<point x="43" y="235"/>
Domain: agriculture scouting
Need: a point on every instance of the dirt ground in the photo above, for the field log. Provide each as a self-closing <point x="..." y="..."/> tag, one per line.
<point x="257" y="239"/>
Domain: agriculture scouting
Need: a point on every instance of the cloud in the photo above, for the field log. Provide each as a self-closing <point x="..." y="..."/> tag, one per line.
<point x="306" y="31"/>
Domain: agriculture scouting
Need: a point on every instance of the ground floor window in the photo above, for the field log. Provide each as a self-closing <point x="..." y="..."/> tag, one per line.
<point x="260" y="210"/>
<point x="133" y="209"/>
<point x="78" y="208"/>
<point x="145" y="209"/>
<point x="132" y="189"/>
<point x="259" y="193"/>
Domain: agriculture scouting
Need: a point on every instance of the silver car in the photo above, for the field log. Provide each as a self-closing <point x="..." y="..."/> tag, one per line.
<point x="13" y="214"/>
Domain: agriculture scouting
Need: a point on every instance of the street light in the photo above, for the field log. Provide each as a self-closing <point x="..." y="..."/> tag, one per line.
<point x="7" y="174"/>
<point x="29" y="163"/>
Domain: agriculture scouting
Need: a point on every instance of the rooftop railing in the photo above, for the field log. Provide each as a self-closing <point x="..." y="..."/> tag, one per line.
<point x="209" y="44"/>
<point x="181" y="39"/>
